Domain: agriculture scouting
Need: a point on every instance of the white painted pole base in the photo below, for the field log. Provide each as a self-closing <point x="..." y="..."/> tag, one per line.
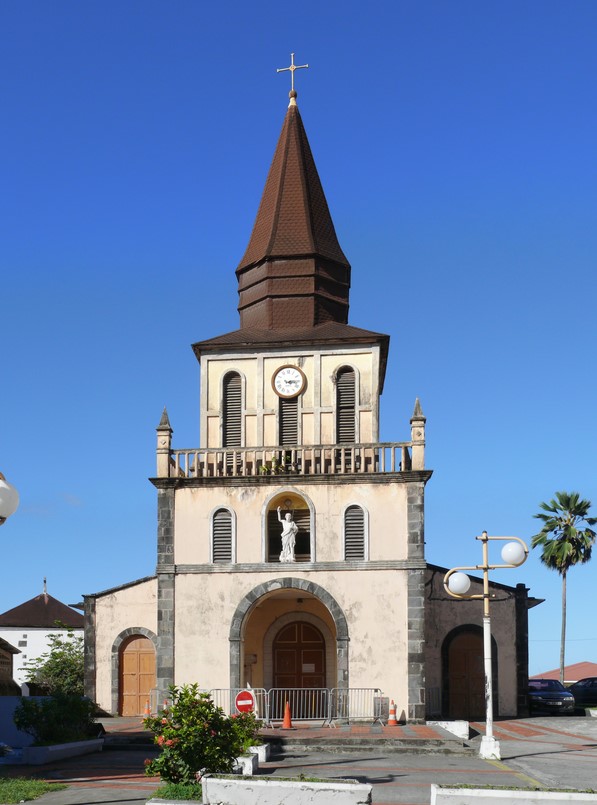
<point x="490" y="748"/>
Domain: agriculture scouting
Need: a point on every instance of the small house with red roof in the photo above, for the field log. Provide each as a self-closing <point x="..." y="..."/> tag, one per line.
<point x="572" y="673"/>
<point x="27" y="628"/>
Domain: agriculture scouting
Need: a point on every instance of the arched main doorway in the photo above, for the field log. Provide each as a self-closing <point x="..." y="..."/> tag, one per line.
<point x="260" y="621"/>
<point x="136" y="675"/>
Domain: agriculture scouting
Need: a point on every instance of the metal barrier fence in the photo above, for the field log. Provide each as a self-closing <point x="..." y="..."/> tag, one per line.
<point x="158" y="699"/>
<point x="306" y="704"/>
<point x="356" y="704"/>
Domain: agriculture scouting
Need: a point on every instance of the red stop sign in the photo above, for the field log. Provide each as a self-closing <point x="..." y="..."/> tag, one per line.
<point x="245" y="701"/>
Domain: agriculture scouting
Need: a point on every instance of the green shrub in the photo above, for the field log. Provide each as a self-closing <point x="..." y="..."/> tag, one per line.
<point x="56" y="719"/>
<point x="62" y="668"/>
<point x="196" y="736"/>
<point x="246" y="726"/>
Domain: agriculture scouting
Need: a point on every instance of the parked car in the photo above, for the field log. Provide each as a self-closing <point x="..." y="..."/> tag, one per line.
<point x="585" y="691"/>
<point x="549" y="695"/>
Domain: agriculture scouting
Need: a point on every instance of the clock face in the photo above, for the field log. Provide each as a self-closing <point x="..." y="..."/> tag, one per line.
<point x="289" y="381"/>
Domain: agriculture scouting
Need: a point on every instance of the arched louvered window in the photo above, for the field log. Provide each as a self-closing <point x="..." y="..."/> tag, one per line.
<point x="354" y="533"/>
<point x="221" y="540"/>
<point x="288" y="422"/>
<point x="345" y="406"/>
<point x="232" y="425"/>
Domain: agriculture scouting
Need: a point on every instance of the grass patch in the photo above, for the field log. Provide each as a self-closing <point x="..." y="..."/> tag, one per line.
<point x="188" y="791"/>
<point x="21" y="789"/>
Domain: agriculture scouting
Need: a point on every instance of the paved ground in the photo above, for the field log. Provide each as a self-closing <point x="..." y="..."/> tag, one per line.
<point x="539" y="751"/>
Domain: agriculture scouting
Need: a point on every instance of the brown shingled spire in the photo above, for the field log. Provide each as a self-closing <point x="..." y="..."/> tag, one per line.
<point x="294" y="273"/>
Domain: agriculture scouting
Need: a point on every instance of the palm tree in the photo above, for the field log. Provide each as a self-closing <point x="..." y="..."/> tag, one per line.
<point x="566" y="540"/>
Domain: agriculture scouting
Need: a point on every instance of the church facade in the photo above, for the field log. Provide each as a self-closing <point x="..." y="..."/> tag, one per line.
<point x="290" y="543"/>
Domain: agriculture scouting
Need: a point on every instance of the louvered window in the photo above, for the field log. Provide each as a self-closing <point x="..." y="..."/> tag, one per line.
<point x="345" y="406"/>
<point x="232" y="432"/>
<point x="288" y="422"/>
<point x="354" y="533"/>
<point x="222" y="536"/>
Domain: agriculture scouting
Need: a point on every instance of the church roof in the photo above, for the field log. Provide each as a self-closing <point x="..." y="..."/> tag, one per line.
<point x="329" y="333"/>
<point x="42" y="612"/>
<point x="294" y="273"/>
<point x="293" y="217"/>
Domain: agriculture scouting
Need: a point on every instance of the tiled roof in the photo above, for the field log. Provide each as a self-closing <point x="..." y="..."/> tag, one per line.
<point x="333" y="332"/>
<point x="42" y="612"/>
<point x="329" y="333"/>
<point x="10" y="649"/>
<point x="572" y="673"/>
<point x="293" y="217"/>
<point x="294" y="273"/>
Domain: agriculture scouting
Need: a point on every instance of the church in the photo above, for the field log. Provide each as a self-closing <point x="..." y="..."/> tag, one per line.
<point x="290" y="542"/>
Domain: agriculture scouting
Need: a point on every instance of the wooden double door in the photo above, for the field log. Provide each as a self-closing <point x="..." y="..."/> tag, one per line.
<point x="299" y="672"/>
<point x="299" y="657"/>
<point x="137" y="675"/>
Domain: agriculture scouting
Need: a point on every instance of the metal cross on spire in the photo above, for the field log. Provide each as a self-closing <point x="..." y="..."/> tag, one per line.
<point x="292" y="68"/>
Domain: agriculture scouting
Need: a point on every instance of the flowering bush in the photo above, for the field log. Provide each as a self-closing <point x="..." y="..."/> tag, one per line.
<point x="195" y="736"/>
<point x="246" y="727"/>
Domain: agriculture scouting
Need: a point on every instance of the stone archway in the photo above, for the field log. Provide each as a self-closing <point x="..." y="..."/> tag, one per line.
<point x="122" y="640"/>
<point x="300" y="585"/>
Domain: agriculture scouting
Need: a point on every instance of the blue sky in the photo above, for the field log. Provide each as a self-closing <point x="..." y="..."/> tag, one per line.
<point x="456" y="146"/>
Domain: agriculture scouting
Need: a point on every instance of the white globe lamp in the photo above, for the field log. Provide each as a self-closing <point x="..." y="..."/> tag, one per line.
<point x="459" y="583"/>
<point x="513" y="554"/>
<point x="9" y="499"/>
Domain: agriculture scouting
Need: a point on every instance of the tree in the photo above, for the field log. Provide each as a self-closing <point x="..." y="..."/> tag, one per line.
<point x="566" y="540"/>
<point x="61" y="669"/>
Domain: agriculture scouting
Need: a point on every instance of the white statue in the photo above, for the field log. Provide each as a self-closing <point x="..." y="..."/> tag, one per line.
<point x="289" y="532"/>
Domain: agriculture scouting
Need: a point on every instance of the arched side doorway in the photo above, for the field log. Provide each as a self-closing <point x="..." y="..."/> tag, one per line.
<point x="463" y="673"/>
<point x="133" y="671"/>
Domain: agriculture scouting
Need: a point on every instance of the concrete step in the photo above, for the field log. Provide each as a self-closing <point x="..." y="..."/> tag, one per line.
<point x="284" y="746"/>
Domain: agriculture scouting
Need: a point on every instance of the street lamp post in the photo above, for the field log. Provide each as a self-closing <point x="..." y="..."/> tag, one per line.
<point x="9" y="499"/>
<point x="457" y="584"/>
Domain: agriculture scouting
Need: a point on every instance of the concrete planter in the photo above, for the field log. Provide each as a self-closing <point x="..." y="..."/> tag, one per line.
<point x="247" y="764"/>
<point x="485" y="796"/>
<point x="38" y="755"/>
<point x="274" y="790"/>
<point x="262" y="751"/>
<point x="459" y="728"/>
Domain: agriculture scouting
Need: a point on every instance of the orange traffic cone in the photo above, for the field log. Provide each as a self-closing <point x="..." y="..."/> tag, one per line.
<point x="287" y="723"/>
<point x="392" y="719"/>
<point x="147" y="711"/>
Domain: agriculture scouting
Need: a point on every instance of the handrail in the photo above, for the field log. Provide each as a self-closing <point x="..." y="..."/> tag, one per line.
<point x="318" y="459"/>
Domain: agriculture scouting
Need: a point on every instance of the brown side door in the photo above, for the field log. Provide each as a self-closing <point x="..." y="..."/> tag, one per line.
<point x="466" y="681"/>
<point x="137" y="675"/>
